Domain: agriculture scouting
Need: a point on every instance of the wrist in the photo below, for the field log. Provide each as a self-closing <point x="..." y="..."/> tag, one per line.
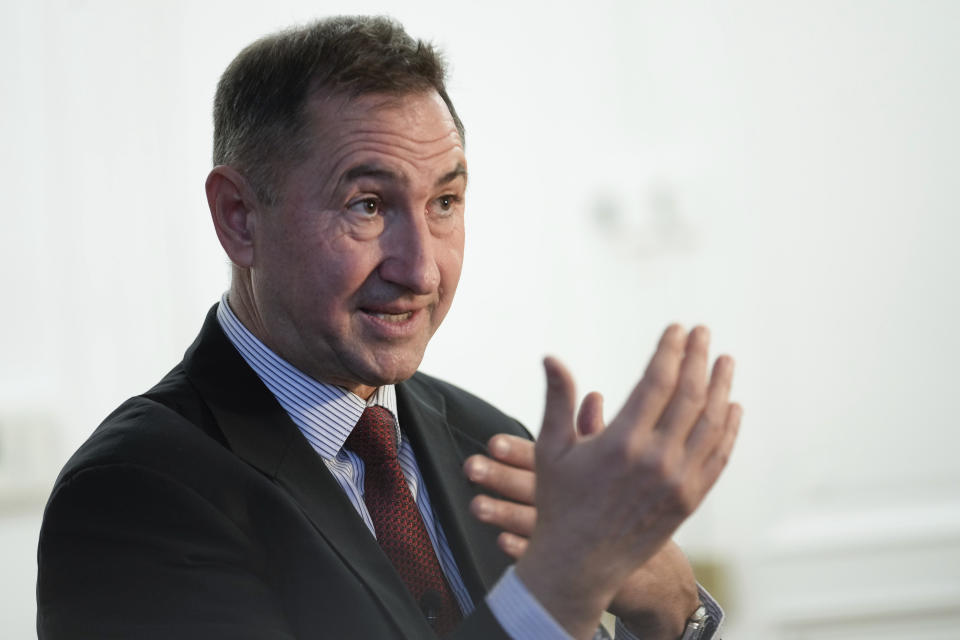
<point x="662" y="619"/>
<point x="651" y="627"/>
<point x="563" y="593"/>
<point x="662" y="623"/>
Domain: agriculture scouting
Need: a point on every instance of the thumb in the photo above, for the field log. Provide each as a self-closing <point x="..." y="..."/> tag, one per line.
<point x="557" y="432"/>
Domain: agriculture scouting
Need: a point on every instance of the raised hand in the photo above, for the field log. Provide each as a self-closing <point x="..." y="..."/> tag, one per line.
<point x="608" y="500"/>
<point x="654" y="601"/>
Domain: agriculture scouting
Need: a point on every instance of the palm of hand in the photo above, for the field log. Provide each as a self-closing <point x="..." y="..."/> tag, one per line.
<point x="609" y="499"/>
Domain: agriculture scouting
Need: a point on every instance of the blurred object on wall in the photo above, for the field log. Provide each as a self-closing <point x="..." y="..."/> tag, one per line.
<point x="882" y="572"/>
<point x="713" y="574"/>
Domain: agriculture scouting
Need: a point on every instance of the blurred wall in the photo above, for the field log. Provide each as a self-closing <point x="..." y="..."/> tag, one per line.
<point x="784" y="172"/>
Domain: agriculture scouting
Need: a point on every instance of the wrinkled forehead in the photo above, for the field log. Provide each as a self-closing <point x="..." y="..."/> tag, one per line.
<point x="330" y="114"/>
<point x="417" y="126"/>
<point x="412" y="138"/>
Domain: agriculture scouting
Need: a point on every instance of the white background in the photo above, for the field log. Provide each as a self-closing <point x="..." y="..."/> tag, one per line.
<point x="786" y="172"/>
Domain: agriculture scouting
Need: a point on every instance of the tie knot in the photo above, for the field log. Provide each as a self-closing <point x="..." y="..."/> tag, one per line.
<point x="374" y="438"/>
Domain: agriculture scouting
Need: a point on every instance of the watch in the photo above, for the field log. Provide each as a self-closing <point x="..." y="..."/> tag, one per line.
<point x="699" y="625"/>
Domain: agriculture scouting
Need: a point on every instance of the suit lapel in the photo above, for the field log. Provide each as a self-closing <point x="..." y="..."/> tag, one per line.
<point x="441" y="448"/>
<point x="259" y="431"/>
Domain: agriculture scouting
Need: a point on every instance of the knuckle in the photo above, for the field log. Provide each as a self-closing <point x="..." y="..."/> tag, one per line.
<point x="631" y="449"/>
<point x="520" y="519"/>
<point x="722" y="458"/>
<point x="712" y="425"/>
<point x="663" y="469"/>
<point x="680" y="493"/>
<point x="656" y="463"/>
<point x="659" y="382"/>
<point x="675" y="488"/>
<point x="692" y="391"/>
<point x="736" y="414"/>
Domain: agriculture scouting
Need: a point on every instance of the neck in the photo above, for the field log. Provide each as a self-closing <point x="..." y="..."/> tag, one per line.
<point x="242" y="303"/>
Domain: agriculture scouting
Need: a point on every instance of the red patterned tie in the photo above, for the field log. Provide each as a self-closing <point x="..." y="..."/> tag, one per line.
<point x="400" y="529"/>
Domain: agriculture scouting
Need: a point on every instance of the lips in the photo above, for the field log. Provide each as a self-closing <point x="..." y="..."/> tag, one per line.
<point x="394" y="323"/>
<point x="391" y="313"/>
<point x="390" y="317"/>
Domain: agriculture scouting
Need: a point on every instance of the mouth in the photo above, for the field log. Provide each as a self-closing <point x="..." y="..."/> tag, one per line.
<point x="390" y="317"/>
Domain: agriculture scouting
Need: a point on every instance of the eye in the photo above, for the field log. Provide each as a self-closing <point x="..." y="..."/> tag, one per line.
<point x="446" y="204"/>
<point x="369" y="206"/>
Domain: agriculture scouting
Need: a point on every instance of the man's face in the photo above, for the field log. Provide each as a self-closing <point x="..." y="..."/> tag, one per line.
<point x="356" y="265"/>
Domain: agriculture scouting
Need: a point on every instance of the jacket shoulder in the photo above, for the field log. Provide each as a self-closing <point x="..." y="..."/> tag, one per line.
<point x="465" y="410"/>
<point x="155" y="429"/>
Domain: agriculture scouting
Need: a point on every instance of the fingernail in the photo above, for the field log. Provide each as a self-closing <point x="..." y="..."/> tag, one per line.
<point x="480" y="508"/>
<point x="477" y="469"/>
<point x="500" y="446"/>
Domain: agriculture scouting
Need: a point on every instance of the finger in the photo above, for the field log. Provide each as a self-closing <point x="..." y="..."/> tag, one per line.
<point x="557" y="433"/>
<point x="509" y="516"/>
<point x="651" y="395"/>
<point x="510" y="482"/>
<point x="690" y="394"/>
<point x="512" y="450"/>
<point x="719" y="458"/>
<point x="710" y="426"/>
<point x="590" y="416"/>
<point x="512" y="545"/>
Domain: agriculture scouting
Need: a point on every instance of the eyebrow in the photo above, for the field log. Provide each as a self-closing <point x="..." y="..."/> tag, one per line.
<point x="450" y="176"/>
<point x="370" y="171"/>
<point x="380" y="173"/>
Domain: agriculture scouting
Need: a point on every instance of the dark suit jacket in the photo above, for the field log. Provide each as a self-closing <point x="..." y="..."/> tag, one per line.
<point x="198" y="510"/>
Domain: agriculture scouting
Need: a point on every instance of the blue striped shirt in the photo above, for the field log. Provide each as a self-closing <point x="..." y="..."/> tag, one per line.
<point x="326" y="414"/>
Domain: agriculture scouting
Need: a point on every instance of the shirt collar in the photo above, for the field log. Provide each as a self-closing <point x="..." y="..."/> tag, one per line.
<point x="324" y="413"/>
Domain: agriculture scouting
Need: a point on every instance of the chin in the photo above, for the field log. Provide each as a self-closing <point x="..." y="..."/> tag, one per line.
<point x="395" y="369"/>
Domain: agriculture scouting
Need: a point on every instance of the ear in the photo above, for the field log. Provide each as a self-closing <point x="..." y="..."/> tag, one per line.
<point x="233" y="206"/>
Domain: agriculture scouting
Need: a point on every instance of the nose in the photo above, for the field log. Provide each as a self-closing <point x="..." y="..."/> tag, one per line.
<point x="410" y="255"/>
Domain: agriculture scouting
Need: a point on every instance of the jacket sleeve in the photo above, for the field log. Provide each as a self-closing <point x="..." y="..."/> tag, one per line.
<point x="127" y="552"/>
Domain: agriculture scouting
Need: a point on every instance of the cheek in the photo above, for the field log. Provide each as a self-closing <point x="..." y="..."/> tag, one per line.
<point x="344" y="262"/>
<point x="450" y="263"/>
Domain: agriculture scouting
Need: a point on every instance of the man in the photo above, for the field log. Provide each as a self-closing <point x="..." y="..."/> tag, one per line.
<point x="295" y="477"/>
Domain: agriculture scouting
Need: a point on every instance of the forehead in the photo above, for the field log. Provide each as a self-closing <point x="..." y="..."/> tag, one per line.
<point x="414" y="129"/>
